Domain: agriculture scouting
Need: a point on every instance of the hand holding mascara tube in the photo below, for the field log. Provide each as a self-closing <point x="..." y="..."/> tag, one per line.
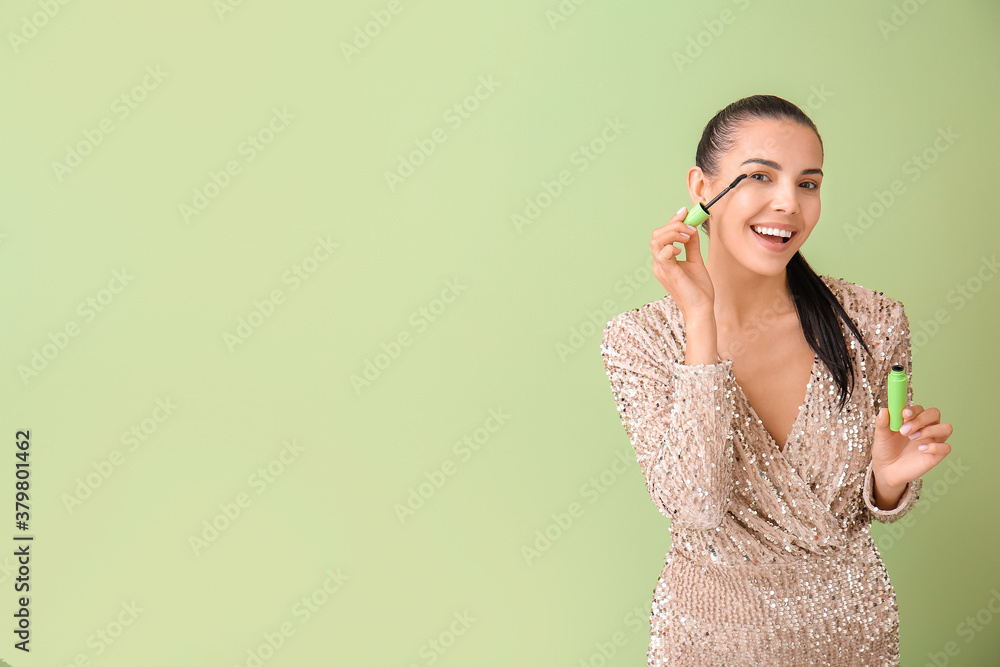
<point x="909" y="439"/>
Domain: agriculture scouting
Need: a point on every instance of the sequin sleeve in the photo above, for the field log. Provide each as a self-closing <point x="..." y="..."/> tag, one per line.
<point x="895" y="339"/>
<point x="678" y="420"/>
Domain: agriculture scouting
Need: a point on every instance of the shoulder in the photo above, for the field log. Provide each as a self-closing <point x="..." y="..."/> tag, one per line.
<point x="869" y="307"/>
<point x="657" y="326"/>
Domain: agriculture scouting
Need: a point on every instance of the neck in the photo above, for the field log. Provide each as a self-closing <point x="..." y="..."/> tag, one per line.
<point x="745" y="299"/>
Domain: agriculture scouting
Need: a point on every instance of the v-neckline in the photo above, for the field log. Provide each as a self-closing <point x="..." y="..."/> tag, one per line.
<point x="805" y="398"/>
<point x="798" y="417"/>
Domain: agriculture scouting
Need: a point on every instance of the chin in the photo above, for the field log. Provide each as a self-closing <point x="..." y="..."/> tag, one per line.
<point x="773" y="268"/>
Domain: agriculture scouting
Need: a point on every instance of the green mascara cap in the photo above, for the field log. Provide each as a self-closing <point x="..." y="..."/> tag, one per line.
<point x="697" y="215"/>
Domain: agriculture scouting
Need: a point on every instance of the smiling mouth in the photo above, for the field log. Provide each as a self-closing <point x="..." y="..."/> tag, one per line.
<point x="770" y="238"/>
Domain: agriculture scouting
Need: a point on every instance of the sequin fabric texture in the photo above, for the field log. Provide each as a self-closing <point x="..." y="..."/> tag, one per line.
<point x="772" y="560"/>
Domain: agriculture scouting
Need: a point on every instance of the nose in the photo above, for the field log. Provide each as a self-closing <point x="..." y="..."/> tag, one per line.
<point x="786" y="199"/>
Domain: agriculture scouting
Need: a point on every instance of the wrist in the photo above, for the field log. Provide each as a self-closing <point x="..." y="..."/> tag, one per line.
<point x="886" y="479"/>
<point x="886" y="496"/>
<point x="703" y="316"/>
<point x="701" y="341"/>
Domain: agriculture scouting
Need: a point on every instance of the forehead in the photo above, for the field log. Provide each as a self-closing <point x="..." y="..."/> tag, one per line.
<point x="776" y="139"/>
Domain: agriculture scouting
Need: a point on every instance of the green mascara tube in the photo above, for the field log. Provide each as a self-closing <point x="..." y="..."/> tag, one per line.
<point x="896" y="389"/>
<point x="699" y="213"/>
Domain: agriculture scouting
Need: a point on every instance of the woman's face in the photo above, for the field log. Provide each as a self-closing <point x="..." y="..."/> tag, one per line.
<point x="783" y="160"/>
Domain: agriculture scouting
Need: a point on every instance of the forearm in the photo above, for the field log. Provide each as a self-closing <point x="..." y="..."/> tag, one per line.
<point x="677" y="418"/>
<point x="692" y="472"/>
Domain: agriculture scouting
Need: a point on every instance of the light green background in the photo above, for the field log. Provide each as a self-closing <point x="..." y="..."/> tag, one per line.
<point x="880" y="95"/>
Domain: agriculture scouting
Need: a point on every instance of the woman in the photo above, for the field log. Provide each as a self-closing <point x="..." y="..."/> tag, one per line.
<point x="754" y="395"/>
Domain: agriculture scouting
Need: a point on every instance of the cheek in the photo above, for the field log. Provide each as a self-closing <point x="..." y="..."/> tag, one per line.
<point x="744" y="203"/>
<point x="756" y="197"/>
<point x="812" y="208"/>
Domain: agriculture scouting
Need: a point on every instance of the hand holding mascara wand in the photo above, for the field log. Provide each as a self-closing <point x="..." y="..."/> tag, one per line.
<point x="688" y="282"/>
<point x="698" y="215"/>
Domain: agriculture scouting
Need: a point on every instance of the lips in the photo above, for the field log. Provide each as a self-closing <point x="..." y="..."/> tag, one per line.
<point x="768" y="237"/>
<point x="772" y="242"/>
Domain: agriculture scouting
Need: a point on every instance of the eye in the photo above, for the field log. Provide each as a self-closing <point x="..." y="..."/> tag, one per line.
<point x="759" y="173"/>
<point x="814" y="185"/>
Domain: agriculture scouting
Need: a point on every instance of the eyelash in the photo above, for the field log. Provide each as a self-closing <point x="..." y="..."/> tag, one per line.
<point x="814" y="183"/>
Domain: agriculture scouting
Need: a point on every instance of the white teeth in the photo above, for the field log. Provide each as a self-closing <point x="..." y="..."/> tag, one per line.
<point x="773" y="232"/>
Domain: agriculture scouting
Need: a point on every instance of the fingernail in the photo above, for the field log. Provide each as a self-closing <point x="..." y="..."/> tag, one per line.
<point x="922" y="448"/>
<point x="905" y="429"/>
<point x="907" y="413"/>
<point x="692" y="228"/>
<point x="681" y="210"/>
<point x="914" y="436"/>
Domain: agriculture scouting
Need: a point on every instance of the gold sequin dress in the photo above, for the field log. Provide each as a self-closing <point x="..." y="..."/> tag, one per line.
<point x="772" y="560"/>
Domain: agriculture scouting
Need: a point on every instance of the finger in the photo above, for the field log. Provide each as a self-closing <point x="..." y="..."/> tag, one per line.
<point x="678" y="216"/>
<point x="672" y="232"/>
<point x="931" y="414"/>
<point x="912" y="411"/>
<point x="673" y="251"/>
<point x="935" y="431"/>
<point x="658" y="243"/>
<point x="941" y="449"/>
<point x="882" y="419"/>
<point x="662" y="241"/>
<point x="922" y="420"/>
<point x="693" y="247"/>
<point x="664" y="252"/>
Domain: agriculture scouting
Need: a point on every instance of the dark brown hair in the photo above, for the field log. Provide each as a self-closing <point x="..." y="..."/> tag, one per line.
<point x="818" y="309"/>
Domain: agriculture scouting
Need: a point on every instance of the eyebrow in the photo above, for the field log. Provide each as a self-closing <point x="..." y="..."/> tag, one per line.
<point x="777" y="167"/>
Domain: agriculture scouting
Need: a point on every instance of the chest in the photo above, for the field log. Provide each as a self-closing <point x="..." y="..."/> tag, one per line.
<point x="773" y="373"/>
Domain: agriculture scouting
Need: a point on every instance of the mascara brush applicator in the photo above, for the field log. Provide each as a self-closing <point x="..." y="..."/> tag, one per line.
<point x="700" y="214"/>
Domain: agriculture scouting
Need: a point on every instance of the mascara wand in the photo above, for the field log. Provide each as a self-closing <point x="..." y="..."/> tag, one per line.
<point x="698" y="215"/>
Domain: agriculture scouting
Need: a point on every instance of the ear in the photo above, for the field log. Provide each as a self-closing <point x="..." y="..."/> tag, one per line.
<point x="698" y="185"/>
